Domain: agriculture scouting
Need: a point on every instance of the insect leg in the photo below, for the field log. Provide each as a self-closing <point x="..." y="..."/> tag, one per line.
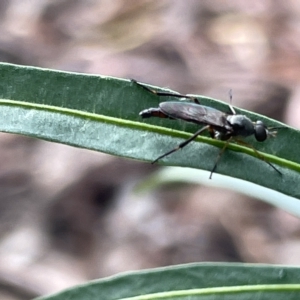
<point x="258" y="154"/>
<point x="218" y="158"/>
<point x="183" y="144"/>
<point x="166" y="94"/>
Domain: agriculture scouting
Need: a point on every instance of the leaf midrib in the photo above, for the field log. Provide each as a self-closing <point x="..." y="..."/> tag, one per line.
<point x="153" y="128"/>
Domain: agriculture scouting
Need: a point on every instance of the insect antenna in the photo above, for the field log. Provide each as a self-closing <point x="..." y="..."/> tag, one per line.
<point x="230" y="102"/>
<point x="272" y="131"/>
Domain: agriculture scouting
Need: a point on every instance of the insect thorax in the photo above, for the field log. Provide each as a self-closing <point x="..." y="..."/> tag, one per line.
<point x="240" y="125"/>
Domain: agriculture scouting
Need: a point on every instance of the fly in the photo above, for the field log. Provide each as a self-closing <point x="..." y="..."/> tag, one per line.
<point x="220" y="125"/>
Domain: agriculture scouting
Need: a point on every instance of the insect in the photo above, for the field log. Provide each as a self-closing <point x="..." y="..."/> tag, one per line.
<point x="223" y="126"/>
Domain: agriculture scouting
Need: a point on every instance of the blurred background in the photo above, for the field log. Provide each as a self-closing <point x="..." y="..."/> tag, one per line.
<point x="69" y="215"/>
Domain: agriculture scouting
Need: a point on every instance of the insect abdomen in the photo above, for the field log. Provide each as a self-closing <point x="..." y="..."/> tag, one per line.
<point x="153" y="112"/>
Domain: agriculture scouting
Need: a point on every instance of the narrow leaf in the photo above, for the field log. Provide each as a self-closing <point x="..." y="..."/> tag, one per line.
<point x="102" y="113"/>
<point x="193" y="281"/>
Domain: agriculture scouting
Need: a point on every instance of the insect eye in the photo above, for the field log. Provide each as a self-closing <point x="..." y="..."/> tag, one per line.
<point x="261" y="133"/>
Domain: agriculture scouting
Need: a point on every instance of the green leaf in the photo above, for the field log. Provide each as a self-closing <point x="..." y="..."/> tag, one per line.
<point x="194" y="281"/>
<point x="102" y="113"/>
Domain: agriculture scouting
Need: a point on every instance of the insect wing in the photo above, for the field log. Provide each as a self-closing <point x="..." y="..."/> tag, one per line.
<point x="195" y="113"/>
